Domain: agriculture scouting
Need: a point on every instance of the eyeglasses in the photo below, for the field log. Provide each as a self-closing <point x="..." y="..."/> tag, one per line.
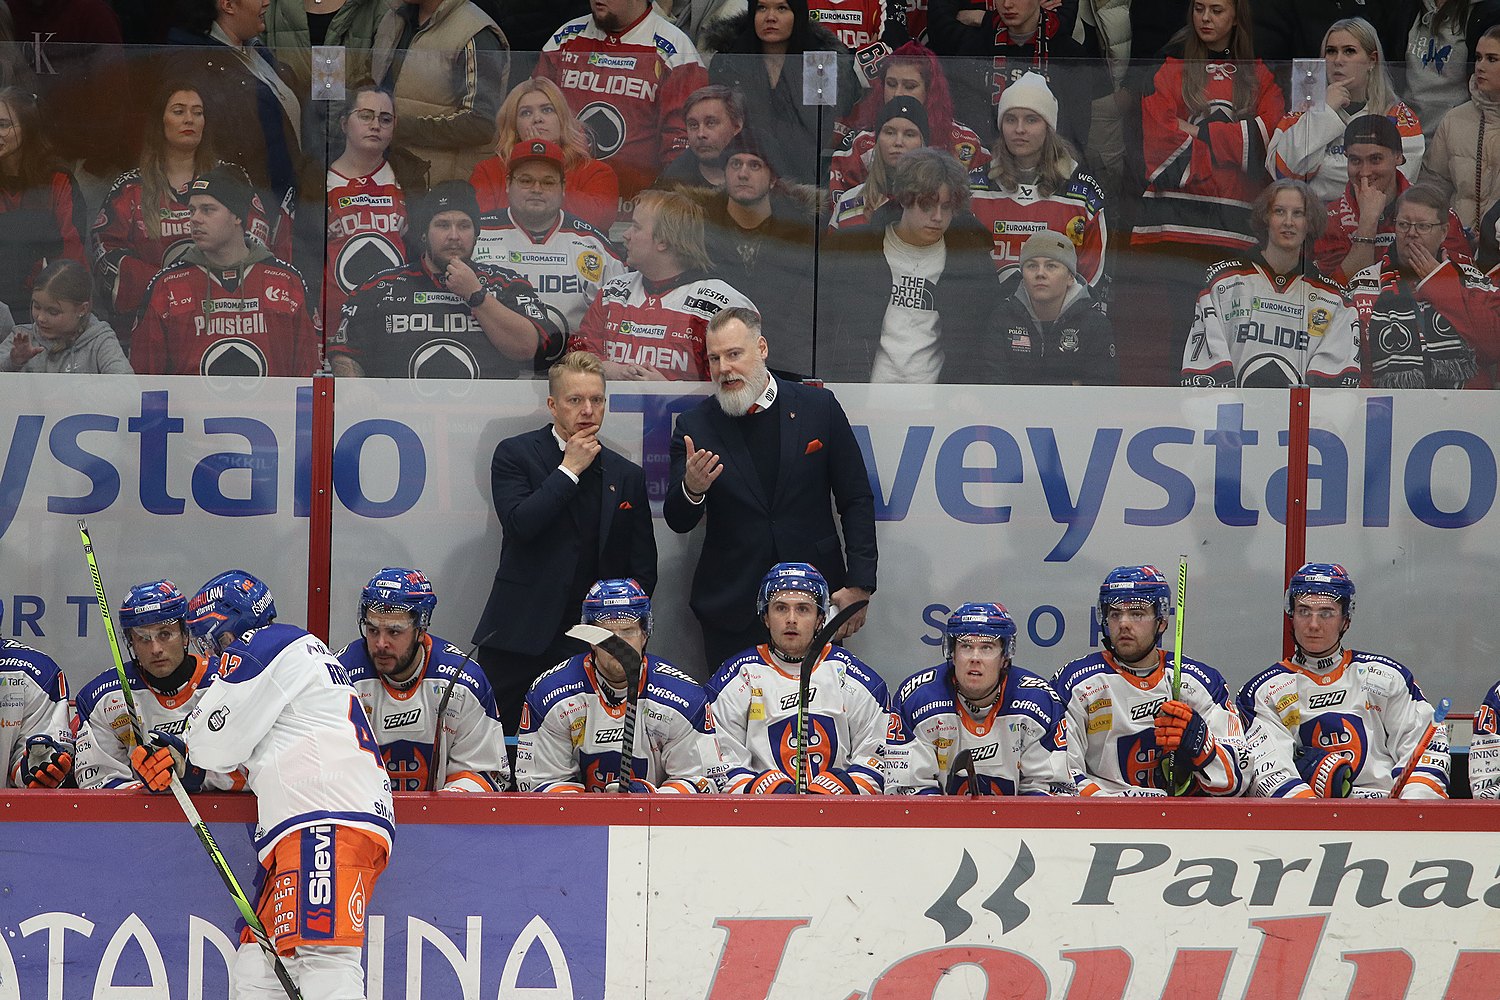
<point x="6" y="124"/>
<point x="385" y="118"/>
<point x="1321" y="614"/>
<point x="550" y="183"/>
<point x="1420" y="228"/>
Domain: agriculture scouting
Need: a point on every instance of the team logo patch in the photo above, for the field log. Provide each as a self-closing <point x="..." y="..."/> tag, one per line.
<point x="1075" y="230"/>
<point x="217" y="718"/>
<point x="591" y="265"/>
<point x="443" y="358"/>
<point x="233" y="356"/>
<point x="605" y="125"/>
<point x="363" y="257"/>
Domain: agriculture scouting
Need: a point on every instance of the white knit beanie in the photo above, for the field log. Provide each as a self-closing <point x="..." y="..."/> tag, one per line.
<point x="1030" y="92"/>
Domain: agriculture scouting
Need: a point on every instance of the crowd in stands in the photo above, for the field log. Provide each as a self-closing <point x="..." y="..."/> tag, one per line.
<point x="1194" y="192"/>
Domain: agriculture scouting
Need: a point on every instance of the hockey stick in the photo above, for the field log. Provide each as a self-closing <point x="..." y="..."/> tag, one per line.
<point x="965" y="762"/>
<point x="631" y="662"/>
<point x="438" y="763"/>
<point x="247" y="912"/>
<point x="1438" y="715"/>
<point x="821" y="638"/>
<point x="1178" y="784"/>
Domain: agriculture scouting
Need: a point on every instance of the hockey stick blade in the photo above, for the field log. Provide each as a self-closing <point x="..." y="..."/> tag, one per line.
<point x="438" y="764"/>
<point x="1438" y="715"/>
<point x="965" y="762"/>
<point x="626" y="655"/>
<point x="822" y="637"/>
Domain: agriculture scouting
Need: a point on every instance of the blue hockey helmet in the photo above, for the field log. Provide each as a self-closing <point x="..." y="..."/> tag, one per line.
<point x="398" y="589"/>
<point x="800" y="578"/>
<point x="151" y="604"/>
<point x="1135" y="585"/>
<point x="619" y="599"/>
<point x="979" y="619"/>
<point x="229" y="605"/>
<point x="1325" y="580"/>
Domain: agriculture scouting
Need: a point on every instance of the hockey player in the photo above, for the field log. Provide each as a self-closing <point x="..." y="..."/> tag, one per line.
<point x="39" y="745"/>
<point x="1484" y="748"/>
<point x="167" y="680"/>
<point x="282" y="707"/>
<point x="226" y="307"/>
<point x="1332" y="722"/>
<point x="403" y="673"/>
<point x="755" y="700"/>
<point x="572" y="725"/>
<point x="1269" y="319"/>
<point x="1008" y="718"/>
<point x="1121" y="713"/>
<point x="565" y="259"/>
<point x="443" y="315"/>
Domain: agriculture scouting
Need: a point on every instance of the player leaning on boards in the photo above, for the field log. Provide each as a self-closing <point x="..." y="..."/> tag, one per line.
<point x="756" y="697"/>
<point x="282" y="707"/>
<point x="576" y="719"/>
<point x="167" y="680"/>
<point x="1332" y="722"/>
<point x="1123" y="720"/>
<point x="39" y="753"/>
<point x="978" y="701"/>
<point x="411" y="682"/>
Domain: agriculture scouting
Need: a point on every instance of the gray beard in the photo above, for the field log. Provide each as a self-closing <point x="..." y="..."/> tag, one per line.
<point x="737" y="402"/>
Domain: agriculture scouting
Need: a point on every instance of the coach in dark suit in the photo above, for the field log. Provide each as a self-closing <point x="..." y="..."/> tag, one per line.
<point x="767" y="460"/>
<point x="572" y="512"/>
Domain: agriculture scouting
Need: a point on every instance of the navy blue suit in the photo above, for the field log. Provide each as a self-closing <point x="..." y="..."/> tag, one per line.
<point x="820" y="467"/>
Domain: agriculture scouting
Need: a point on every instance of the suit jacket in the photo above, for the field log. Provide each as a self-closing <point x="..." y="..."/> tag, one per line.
<point x="749" y="532"/>
<point x="527" y="609"/>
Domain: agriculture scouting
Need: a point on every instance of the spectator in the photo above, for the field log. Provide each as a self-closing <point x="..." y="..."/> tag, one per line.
<point x="626" y="72"/>
<point x="760" y="55"/>
<point x="759" y="706"/>
<point x="901" y="128"/>
<point x="225" y="307"/>
<point x="429" y="741"/>
<point x="912" y="71"/>
<point x="572" y="510"/>
<point x="1439" y="39"/>
<point x="443" y="315"/>
<point x="1360" y="223"/>
<point x="901" y="300"/>
<point x="447" y="63"/>
<point x="997" y="45"/>
<point x="649" y="324"/>
<point x="712" y="115"/>
<point x="1051" y="332"/>
<point x="1034" y="183"/>
<point x="1295" y="327"/>
<point x="1430" y="321"/>
<point x="770" y="505"/>
<point x="1309" y="144"/>
<point x="366" y="208"/>
<point x="564" y="258"/>
<point x="64" y="334"/>
<point x="1298" y="29"/>
<point x="1206" y="123"/>
<point x="292" y="27"/>
<point x="535" y="109"/>
<point x="1464" y="160"/>
<point x="41" y="211"/>
<point x="571" y="739"/>
<point x="143" y="224"/>
<point x="529" y="25"/>
<point x="761" y="233"/>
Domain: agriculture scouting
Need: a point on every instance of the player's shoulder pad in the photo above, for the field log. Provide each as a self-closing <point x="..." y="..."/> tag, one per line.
<point x="258" y="647"/>
<point x="856" y="668"/>
<point x="566" y="678"/>
<point x="91" y="693"/>
<point x="172" y="272"/>
<point x="1074" y="672"/>
<point x="1251" y="688"/>
<point x="1084" y="186"/>
<point x="736" y="664"/>
<point x="1387" y="666"/>
<point x="1029" y="695"/>
<point x="33" y="662"/>
<point x="577" y="26"/>
<point x="1207" y="676"/>
<point x="288" y="270"/>
<point x="581" y="227"/>
<point x="620" y="286"/>
<point x="449" y="661"/>
<point x="666" y="683"/>
<point x="922" y="687"/>
<point x="356" y="660"/>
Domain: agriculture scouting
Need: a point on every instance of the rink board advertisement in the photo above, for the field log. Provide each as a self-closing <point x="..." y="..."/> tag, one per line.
<point x="611" y="898"/>
<point x="1023" y="494"/>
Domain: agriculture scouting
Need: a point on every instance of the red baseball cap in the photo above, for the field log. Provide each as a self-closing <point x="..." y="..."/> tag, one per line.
<point x="536" y="149"/>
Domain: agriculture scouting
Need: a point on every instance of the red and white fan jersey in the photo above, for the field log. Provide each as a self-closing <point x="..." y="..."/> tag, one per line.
<point x="366" y="221"/>
<point x="567" y="265"/>
<point x="632" y="323"/>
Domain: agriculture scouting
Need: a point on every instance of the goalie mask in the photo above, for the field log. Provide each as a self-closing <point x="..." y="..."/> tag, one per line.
<point x="228" y="606"/>
<point x="395" y="589"/>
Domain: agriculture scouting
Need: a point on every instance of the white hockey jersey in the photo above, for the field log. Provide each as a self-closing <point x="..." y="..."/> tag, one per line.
<point x="105" y="736"/>
<point x="34" y="702"/>
<point x="848" y="721"/>
<point x="1256" y="329"/>
<point x="1484" y="748"/>
<point x="1112" y="724"/>
<point x="1366" y="704"/>
<point x="567" y="266"/>
<point x="1019" y="748"/>
<point x="283" y="707"/>
<point x="405" y="722"/>
<point x="570" y="735"/>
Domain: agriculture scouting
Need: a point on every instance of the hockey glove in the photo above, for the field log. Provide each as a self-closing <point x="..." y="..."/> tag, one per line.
<point x="1329" y="775"/>
<point x="163" y="755"/>
<point x="47" y="763"/>
<point x="1181" y="730"/>
<point x="834" y="781"/>
<point x="637" y="787"/>
<point x="772" y="782"/>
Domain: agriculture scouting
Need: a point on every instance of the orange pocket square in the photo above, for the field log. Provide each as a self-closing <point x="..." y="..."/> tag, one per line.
<point x="812" y="446"/>
<point x="625" y="505"/>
